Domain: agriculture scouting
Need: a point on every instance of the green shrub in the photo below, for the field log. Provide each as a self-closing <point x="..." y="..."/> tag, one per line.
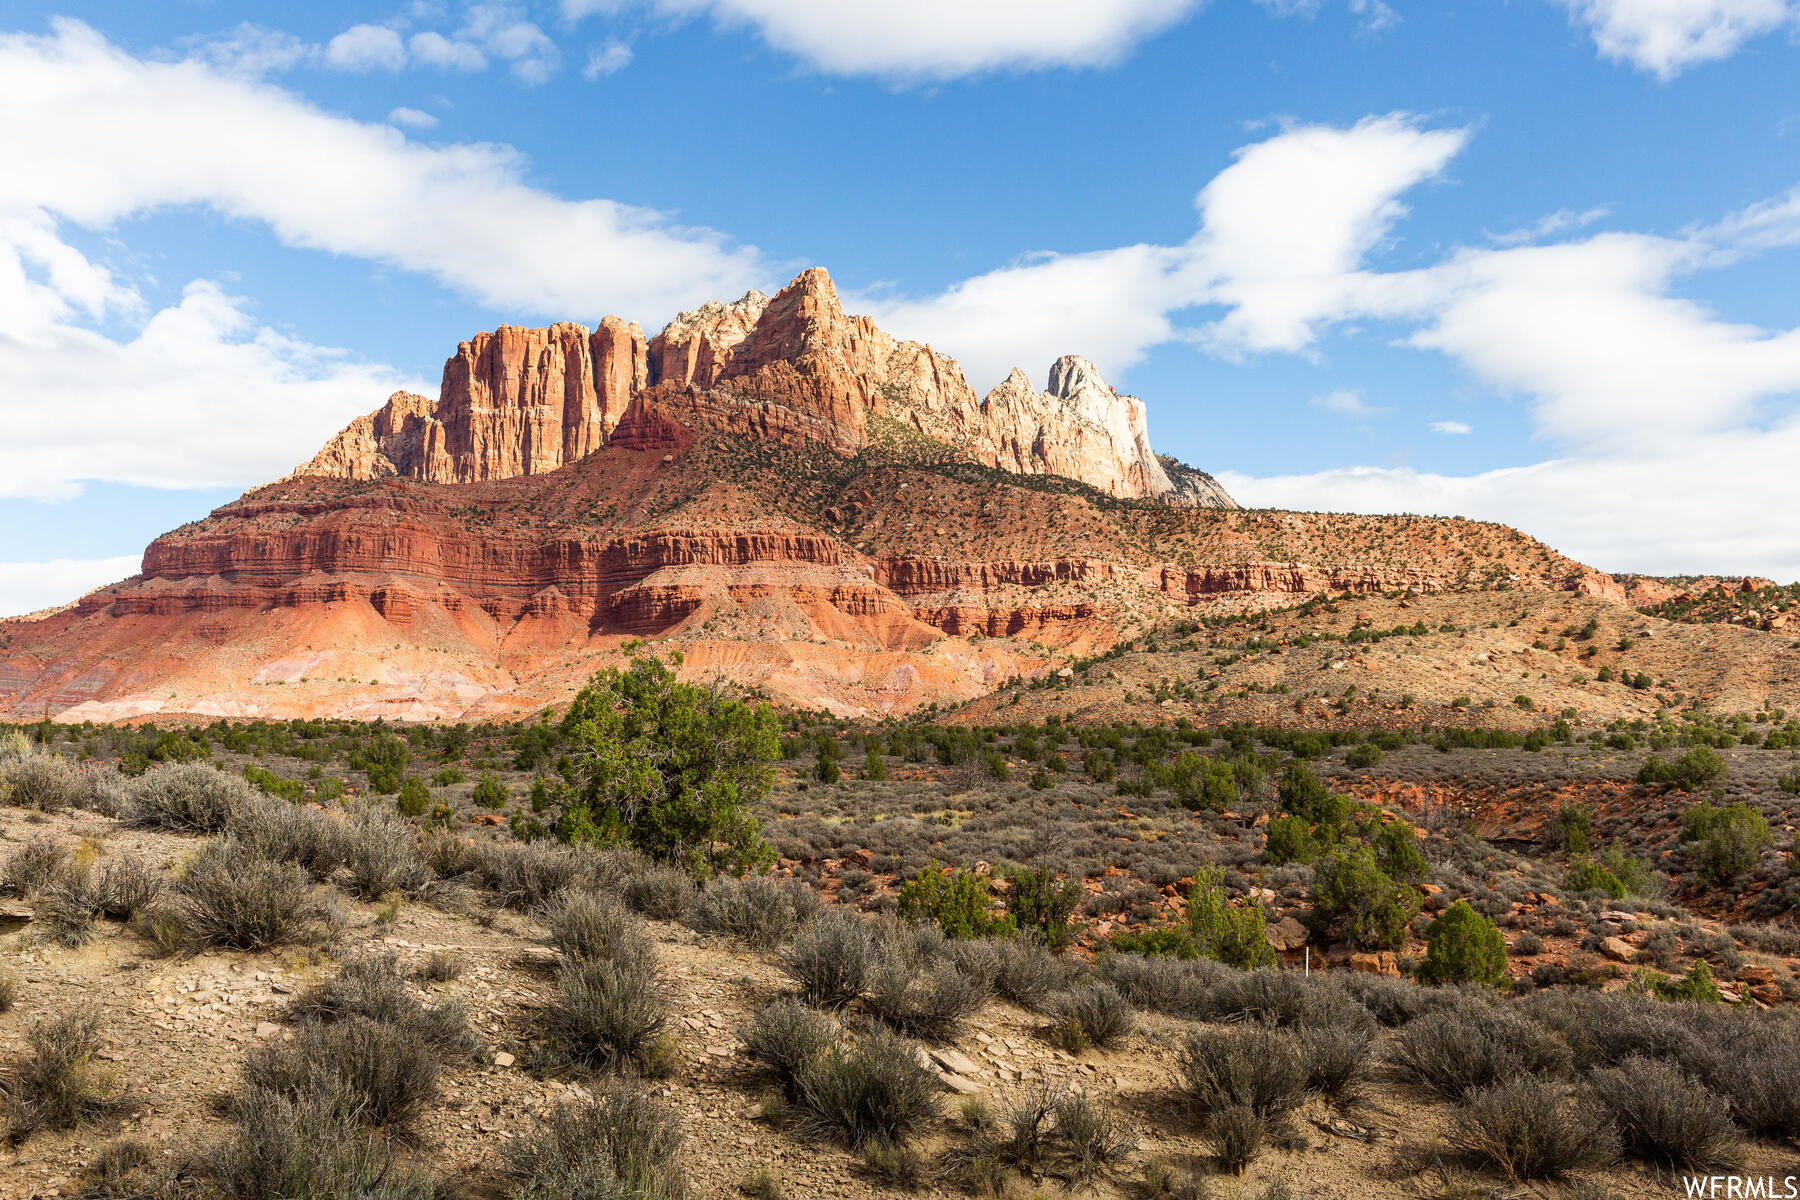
<point x="490" y="792"/>
<point x="1037" y="900"/>
<point x="1201" y="782"/>
<point x="1236" y="936"/>
<point x="960" y="901"/>
<point x="1396" y="847"/>
<point x="1363" y="756"/>
<point x="414" y="798"/>
<point x="1464" y="947"/>
<point x="1697" y="767"/>
<point x="1575" y="827"/>
<point x="1589" y="876"/>
<point x="1356" y="902"/>
<point x="674" y="768"/>
<point x="1290" y="840"/>
<point x="1730" y="839"/>
<point x="1157" y="942"/>
<point x="1696" y="987"/>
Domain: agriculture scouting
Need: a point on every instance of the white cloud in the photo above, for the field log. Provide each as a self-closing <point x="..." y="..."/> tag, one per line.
<point x="1451" y="428"/>
<point x="412" y="118"/>
<point x="1664" y="37"/>
<point x="1622" y="373"/>
<point x="1283" y="229"/>
<point x="929" y="39"/>
<point x="606" y="59"/>
<point x="366" y="48"/>
<point x="95" y="135"/>
<point x="253" y="50"/>
<point x="27" y="587"/>
<point x="1346" y="402"/>
<point x="201" y="393"/>
<point x="503" y="31"/>
<point x="1563" y="220"/>
<point x="435" y="50"/>
<point x="1714" y="507"/>
<point x="1590" y="330"/>
<point x="1375" y="14"/>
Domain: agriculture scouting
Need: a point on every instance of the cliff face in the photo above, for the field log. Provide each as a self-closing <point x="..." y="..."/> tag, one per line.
<point x="796" y="368"/>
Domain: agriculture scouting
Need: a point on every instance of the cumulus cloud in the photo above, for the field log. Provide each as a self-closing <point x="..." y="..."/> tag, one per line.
<point x="433" y="49"/>
<point x="1623" y="374"/>
<point x="1451" y="428"/>
<point x="928" y="39"/>
<point x="200" y="392"/>
<point x="504" y="33"/>
<point x="98" y="135"/>
<point x="1282" y="231"/>
<point x="366" y="48"/>
<point x="252" y="50"/>
<point x="27" y="587"/>
<point x="606" y="59"/>
<point x="1714" y="507"/>
<point x="1665" y="37"/>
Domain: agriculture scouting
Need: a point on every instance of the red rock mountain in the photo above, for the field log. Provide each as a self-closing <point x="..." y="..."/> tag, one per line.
<point x="795" y="369"/>
<point x="796" y="500"/>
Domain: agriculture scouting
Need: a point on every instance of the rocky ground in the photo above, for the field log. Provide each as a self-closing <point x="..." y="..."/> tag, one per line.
<point x="175" y="1029"/>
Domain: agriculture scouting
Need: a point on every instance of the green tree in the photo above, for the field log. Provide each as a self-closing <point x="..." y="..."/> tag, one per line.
<point x="1290" y="840"/>
<point x="414" y="797"/>
<point x="1575" y="825"/>
<point x="674" y="768"/>
<point x="1397" y="852"/>
<point x="490" y="792"/>
<point x="1730" y="839"/>
<point x="1462" y="946"/>
<point x="1200" y="782"/>
<point x="1696" y="768"/>
<point x="1356" y="902"/>
<point x="1236" y="936"/>
<point x="1038" y="900"/>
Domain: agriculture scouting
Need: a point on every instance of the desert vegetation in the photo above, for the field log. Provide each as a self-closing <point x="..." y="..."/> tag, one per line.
<point x="962" y="959"/>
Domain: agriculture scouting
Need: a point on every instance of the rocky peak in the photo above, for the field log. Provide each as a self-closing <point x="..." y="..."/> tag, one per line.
<point x="794" y="367"/>
<point x="1079" y="427"/>
<point x="697" y="345"/>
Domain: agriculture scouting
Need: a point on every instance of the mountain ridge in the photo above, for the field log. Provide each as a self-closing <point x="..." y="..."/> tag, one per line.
<point x="795" y="366"/>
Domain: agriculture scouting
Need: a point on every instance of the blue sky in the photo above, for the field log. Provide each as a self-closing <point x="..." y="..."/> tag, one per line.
<point x="1528" y="261"/>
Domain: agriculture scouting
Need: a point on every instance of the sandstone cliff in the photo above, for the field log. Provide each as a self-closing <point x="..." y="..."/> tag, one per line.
<point x="795" y="368"/>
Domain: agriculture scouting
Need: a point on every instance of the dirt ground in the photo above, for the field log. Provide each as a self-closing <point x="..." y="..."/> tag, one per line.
<point x="177" y="1028"/>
